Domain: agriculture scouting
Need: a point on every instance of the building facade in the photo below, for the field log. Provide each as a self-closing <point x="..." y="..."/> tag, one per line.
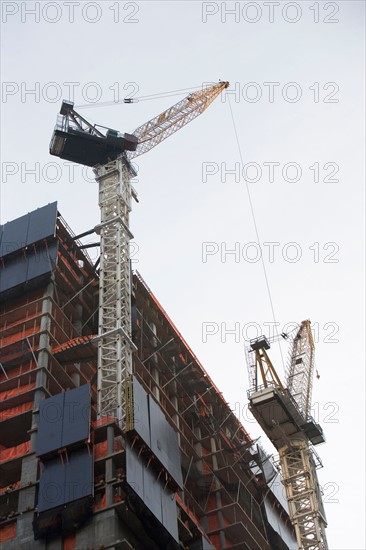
<point x="185" y="474"/>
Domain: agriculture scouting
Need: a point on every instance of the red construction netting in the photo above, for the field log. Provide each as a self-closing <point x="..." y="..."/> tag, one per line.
<point x="100" y="449"/>
<point x="102" y="502"/>
<point x="17" y="371"/>
<point x="21" y="335"/>
<point x="104" y="420"/>
<point x="8" y="532"/>
<point x="14" y="452"/>
<point x="72" y="343"/>
<point x="16" y="391"/>
<point x="69" y="542"/>
<point x="99" y="504"/>
<point x="10" y="487"/>
<point x="13" y="411"/>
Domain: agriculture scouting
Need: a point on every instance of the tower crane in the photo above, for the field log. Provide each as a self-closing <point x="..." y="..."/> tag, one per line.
<point x="109" y="153"/>
<point x="283" y="412"/>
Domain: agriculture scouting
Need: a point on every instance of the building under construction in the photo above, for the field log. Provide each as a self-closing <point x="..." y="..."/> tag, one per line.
<point x="182" y="473"/>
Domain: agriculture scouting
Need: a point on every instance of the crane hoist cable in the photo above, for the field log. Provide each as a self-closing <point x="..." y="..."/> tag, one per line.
<point x="137" y="99"/>
<point x="255" y="228"/>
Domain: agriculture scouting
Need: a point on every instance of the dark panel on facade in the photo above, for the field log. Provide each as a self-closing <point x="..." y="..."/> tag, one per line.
<point x="78" y="475"/>
<point x="51" y="485"/>
<point x="76" y="419"/>
<point x="64" y="420"/>
<point x="20" y="270"/>
<point x="169" y="512"/>
<point x="42" y="223"/>
<point x="281" y="534"/>
<point x="13" y="273"/>
<point x="159" y="500"/>
<point x="63" y="482"/>
<point x="152" y="493"/>
<point x="164" y="442"/>
<point x="31" y="228"/>
<point x="267" y="467"/>
<point x="49" y="436"/>
<point x="62" y="520"/>
<point x="14" y="235"/>
<point x="42" y="262"/>
<point x="134" y="472"/>
<point x="141" y="411"/>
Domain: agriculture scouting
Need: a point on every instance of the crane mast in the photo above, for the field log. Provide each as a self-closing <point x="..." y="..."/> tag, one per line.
<point x="109" y="154"/>
<point x="301" y="368"/>
<point x="115" y="346"/>
<point x="284" y="415"/>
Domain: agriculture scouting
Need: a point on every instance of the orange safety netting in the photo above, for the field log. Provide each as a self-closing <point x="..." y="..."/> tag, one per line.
<point x="16" y="391"/>
<point x="99" y="504"/>
<point x="103" y="420"/>
<point x="72" y="343"/>
<point x="13" y="411"/>
<point x="102" y="502"/>
<point x="26" y="319"/>
<point x="100" y="449"/>
<point x="10" y="487"/>
<point x="215" y="540"/>
<point x="68" y="266"/>
<point x="13" y="452"/>
<point x="21" y="335"/>
<point x="69" y="542"/>
<point x="205" y="466"/>
<point x="8" y="532"/>
<point x="15" y="372"/>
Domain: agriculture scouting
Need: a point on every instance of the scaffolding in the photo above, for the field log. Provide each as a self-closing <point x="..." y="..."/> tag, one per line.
<point x="220" y="490"/>
<point x="49" y="344"/>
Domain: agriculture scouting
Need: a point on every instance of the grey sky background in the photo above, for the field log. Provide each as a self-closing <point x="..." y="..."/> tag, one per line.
<point x="312" y="53"/>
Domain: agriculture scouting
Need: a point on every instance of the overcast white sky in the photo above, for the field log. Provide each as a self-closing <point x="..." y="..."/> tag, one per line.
<point x="297" y="87"/>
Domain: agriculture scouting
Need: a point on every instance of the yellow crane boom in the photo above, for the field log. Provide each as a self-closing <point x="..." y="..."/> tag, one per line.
<point x="301" y="370"/>
<point x="173" y="119"/>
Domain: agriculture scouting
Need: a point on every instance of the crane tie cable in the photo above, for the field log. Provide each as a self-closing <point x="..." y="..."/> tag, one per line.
<point x="172" y="93"/>
<point x="255" y="226"/>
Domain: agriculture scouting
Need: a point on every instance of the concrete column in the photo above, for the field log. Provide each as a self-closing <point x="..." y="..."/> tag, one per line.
<point x="78" y="324"/>
<point x="218" y="494"/>
<point x="44" y="343"/>
<point x="198" y="447"/>
<point x="28" y="476"/>
<point x="109" y="467"/>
